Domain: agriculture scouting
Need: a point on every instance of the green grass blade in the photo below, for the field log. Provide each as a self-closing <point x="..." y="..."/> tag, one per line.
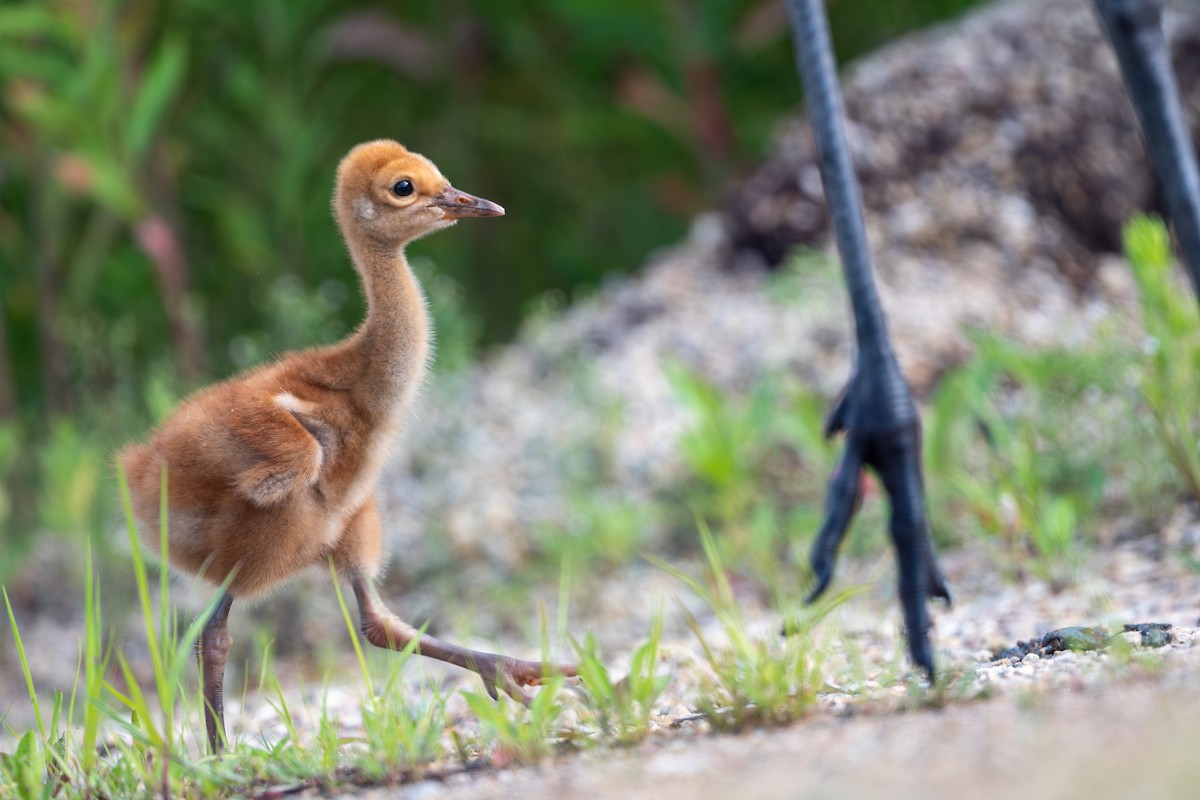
<point x="352" y="629"/>
<point x="33" y="698"/>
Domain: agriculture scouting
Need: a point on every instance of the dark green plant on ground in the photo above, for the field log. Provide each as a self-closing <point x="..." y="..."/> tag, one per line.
<point x="1010" y="448"/>
<point x="1032" y="448"/>
<point x="622" y="709"/>
<point x="1171" y="364"/>
<point x="1029" y="447"/>
<point x="516" y="734"/>
<point x="750" y="680"/>
<point x="727" y="443"/>
<point x="757" y="465"/>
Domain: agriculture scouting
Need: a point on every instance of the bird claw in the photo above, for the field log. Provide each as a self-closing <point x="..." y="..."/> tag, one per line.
<point x="835" y="423"/>
<point x="895" y="455"/>
<point x="823" y="572"/>
<point x="511" y="675"/>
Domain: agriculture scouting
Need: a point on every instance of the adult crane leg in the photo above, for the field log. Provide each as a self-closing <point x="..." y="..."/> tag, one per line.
<point x="876" y="410"/>
<point x="1135" y="29"/>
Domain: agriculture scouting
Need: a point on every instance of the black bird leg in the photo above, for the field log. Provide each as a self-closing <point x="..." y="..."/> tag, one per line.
<point x="876" y="410"/>
<point x="1135" y="29"/>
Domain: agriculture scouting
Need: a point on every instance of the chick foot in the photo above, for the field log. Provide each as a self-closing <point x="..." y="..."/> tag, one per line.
<point x="511" y="675"/>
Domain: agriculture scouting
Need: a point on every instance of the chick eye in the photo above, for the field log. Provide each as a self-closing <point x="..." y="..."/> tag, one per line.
<point x="402" y="188"/>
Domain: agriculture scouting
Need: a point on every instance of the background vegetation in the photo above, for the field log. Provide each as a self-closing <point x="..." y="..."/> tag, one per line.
<point x="165" y="171"/>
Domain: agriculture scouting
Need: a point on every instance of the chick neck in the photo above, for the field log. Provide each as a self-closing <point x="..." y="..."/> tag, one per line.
<point x="392" y="344"/>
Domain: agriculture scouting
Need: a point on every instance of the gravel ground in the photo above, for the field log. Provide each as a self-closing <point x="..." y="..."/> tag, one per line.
<point x="1104" y="723"/>
<point x="1134" y="738"/>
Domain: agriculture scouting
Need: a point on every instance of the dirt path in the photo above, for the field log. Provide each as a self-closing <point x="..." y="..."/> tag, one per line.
<point x="1114" y="724"/>
<point x="1138" y="737"/>
<point x="1122" y="723"/>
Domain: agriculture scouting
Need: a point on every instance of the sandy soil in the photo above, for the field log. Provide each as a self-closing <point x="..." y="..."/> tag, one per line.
<point x="1088" y="724"/>
<point x="1134" y="738"/>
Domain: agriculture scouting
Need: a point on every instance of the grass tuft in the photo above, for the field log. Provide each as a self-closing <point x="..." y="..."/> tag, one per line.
<point x="751" y="679"/>
<point x="514" y="734"/>
<point x="621" y="709"/>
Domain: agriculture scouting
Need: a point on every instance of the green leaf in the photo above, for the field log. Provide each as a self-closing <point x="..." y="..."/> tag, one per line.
<point x="29" y="20"/>
<point x="1147" y="242"/>
<point x="48" y="67"/>
<point x="112" y="187"/>
<point x="159" y="86"/>
<point x="33" y="698"/>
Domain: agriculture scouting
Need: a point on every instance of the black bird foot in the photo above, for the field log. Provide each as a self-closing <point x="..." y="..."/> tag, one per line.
<point x="894" y="453"/>
<point x="877" y="413"/>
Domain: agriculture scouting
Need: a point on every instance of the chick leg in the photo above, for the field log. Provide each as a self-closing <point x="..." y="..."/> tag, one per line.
<point x="877" y="411"/>
<point x="510" y="675"/>
<point x="212" y="649"/>
<point x="1135" y="29"/>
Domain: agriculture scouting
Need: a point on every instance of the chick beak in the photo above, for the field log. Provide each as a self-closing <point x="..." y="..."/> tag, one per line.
<point x="455" y="204"/>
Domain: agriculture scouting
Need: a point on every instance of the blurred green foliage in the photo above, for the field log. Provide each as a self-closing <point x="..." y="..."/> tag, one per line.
<point x="1035" y="452"/>
<point x="757" y="466"/>
<point x="1032" y="452"/>
<point x="1021" y="445"/>
<point x="164" y="161"/>
<point x="1172" y="381"/>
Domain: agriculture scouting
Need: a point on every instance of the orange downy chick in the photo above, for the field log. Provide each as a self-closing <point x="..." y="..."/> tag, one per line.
<point x="274" y="470"/>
